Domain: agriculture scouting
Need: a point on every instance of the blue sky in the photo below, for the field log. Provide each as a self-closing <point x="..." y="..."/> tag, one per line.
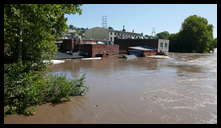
<point x="143" y="17"/>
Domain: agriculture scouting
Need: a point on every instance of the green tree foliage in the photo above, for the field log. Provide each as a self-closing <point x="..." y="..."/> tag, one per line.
<point x="29" y="88"/>
<point x="163" y="35"/>
<point x="30" y="31"/>
<point x="110" y="28"/>
<point x="78" y="31"/>
<point x="215" y="43"/>
<point x="196" y="35"/>
<point x="71" y="27"/>
<point x="150" y="37"/>
<point x="174" y="42"/>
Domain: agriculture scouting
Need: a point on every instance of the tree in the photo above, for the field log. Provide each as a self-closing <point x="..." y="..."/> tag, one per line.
<point x="149" y="36"/>
<point x="196" y="35"/>
<point x="110" y="28"/>
<point x="163" y="35"/>
<point x="30" y="30"/>
<point x="71" y="27"/>
<point x="215" y="43"/>
<point x="173" y="42"/>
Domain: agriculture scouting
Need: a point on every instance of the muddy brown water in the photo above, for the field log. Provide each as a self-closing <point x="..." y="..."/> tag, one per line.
<point x="182" y="89"/>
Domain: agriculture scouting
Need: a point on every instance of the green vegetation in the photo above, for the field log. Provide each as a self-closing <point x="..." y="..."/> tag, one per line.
<point x="163" y="35"/>
<point x="79" y="31"/>
<point x="150" y="37"/>
<point x="30" y="31"/>
<point x="196" y="35"/>
<point x="25" y="89"/>
<point x="215" y="43"/>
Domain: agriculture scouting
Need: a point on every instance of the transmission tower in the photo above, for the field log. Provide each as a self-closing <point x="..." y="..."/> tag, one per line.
<point x="104" y="21"/>
<point x="153" y="32"/>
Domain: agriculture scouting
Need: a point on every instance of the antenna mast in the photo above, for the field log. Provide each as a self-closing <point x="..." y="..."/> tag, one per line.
<point x="153" y="32"/>
<point x="104" y="21"/>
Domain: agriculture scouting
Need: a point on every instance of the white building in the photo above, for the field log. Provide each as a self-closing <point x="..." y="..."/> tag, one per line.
<point x="163" y="46"/>
<point x="100" y="33"/>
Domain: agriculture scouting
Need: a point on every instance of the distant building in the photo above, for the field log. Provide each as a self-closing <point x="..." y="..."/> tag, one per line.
<point x="68" y="42"/>
<point x="98" y="50"/>
<point x="160" y="45"/>
<point x="69" y="36"/>
<point x="142" y="51"/>
<point x="84" y="41"/>
<point x="70" y="45"/>
<point x="99" y="33"/>
<point x="71" y="31"/>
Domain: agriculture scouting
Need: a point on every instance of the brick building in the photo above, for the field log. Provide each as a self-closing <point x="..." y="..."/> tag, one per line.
<point x="94" y="50"/>
<point x="70" y="44"/>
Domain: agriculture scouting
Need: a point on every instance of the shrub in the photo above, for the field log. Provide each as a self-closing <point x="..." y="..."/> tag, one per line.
<point x="59" y="88"/>
<point x="25" y="89"/>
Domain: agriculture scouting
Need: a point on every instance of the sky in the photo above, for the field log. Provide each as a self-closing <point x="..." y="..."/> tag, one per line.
<point x="143" y="18"/>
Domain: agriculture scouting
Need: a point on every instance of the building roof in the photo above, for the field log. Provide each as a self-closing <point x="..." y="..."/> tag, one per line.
<point x="142" y="48"/>
<point x="69" y="36"/>
<point x="125" y="32"/>
<point x="112" y="30"/>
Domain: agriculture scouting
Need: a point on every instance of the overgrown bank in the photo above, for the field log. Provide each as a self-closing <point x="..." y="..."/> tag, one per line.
<point x="29" y="34"/>
<point x="23" y="89"/>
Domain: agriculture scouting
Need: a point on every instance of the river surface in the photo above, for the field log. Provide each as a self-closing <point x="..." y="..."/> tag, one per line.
<point x="182" y="89"/>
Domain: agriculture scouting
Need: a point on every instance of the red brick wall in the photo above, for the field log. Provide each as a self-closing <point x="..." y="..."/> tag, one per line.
<point x="70" y="44"/>
<point x="104" y="49"/>
<point x="93" y="50"/>
<point x="86" y="48"/>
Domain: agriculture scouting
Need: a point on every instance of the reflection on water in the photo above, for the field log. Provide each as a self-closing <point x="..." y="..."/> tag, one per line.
<point x="182" y="89"/>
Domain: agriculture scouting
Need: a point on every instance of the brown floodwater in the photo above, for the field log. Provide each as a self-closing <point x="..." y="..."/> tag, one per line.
<point x="182" y="89"/>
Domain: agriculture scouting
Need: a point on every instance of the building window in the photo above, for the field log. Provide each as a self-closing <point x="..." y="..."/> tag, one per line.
<point x="161" y="45"/>
<point x="165" y="45"/>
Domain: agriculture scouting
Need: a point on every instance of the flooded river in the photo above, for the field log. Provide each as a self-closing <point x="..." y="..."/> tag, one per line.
<point x="182" y="89"/>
